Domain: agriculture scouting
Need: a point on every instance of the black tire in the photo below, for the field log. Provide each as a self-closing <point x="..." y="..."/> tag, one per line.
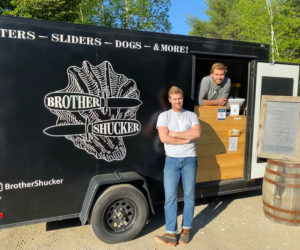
<point x="119" y="214"/>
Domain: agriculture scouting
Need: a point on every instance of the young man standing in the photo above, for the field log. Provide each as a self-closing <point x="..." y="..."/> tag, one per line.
<point x="177" y="128"/>
<point x="215" y="88"/>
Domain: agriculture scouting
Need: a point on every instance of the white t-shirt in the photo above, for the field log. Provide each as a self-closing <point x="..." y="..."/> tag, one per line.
<point x="178" y="122"/>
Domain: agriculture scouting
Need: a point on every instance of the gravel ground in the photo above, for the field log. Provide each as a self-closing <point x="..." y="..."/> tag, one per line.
<point x="231" y="222"/>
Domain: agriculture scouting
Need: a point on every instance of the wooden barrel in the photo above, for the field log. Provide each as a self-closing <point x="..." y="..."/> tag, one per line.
<point x="281" y="192"/>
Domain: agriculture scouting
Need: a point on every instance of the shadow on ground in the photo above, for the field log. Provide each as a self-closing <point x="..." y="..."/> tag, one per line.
<point x="215" y="206"/>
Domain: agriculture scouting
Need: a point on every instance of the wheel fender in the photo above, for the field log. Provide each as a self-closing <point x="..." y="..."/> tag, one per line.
<point x="109" y="179"/>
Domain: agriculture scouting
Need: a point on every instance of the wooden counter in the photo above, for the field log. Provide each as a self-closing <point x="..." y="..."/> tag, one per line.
<point x="215" y="161"/>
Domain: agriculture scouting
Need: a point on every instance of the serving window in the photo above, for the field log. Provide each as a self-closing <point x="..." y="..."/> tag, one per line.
<point x="221" y="147"/>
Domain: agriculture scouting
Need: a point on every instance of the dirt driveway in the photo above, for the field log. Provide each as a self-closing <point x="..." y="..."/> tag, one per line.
<point x="231" y="222"/>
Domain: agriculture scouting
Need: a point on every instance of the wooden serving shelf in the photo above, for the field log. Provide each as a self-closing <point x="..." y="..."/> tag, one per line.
<point x="215" y="161"/>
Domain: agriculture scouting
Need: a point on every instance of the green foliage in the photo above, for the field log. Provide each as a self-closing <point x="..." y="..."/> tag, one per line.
<point x="222" y="14"/>
<point x="59" y="10"/>
<point x="5" y="5"/>
<point x="249" y="20"/>
<point x="149" y="15"/>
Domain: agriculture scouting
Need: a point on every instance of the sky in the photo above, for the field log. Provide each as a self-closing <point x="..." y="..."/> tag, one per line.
<point x="181" y="7"/>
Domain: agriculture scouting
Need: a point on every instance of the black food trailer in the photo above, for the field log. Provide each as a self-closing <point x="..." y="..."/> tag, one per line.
<point x="77" y="120"/>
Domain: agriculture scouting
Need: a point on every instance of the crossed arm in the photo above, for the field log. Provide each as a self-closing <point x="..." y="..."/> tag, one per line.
<point x="178" y="138"/>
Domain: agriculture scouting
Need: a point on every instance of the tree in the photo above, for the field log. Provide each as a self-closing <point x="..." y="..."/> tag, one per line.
<point x="5" y="5"/>
<point x="287" y="30"/>
<point x="149" y="15"/>
<point x="59" y="10"/>
<point x="275" y="22"/>
<point x="222" y="14"/>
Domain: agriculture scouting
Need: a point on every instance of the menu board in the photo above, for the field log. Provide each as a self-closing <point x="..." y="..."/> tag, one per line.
<point x="279" y="128"/>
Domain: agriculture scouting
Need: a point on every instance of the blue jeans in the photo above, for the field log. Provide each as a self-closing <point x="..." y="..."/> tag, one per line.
<point x="184" y="167"/>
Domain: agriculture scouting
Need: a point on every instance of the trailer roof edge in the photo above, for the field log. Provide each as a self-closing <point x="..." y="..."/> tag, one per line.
<point x="223" y="54"/>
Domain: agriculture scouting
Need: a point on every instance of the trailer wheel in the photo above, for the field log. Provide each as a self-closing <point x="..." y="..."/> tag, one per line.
<point x="119" y="214"/>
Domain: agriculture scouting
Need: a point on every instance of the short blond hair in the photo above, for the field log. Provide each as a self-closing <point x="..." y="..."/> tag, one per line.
<point x="219" y="66"/>
<point x="175" y="90"/>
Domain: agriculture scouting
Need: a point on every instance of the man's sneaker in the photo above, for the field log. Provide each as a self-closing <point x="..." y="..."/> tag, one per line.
<point x="168" y="239"/>
<point x="184" y="237"/>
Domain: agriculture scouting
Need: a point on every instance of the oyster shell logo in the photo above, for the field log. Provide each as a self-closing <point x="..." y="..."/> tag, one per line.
<point x="96" y="110"/>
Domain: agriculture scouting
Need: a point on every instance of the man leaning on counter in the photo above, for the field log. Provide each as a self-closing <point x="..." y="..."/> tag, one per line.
<point x="214" y="89"/>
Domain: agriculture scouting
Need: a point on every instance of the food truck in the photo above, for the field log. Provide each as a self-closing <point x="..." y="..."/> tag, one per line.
<point x="79" y="106"/>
